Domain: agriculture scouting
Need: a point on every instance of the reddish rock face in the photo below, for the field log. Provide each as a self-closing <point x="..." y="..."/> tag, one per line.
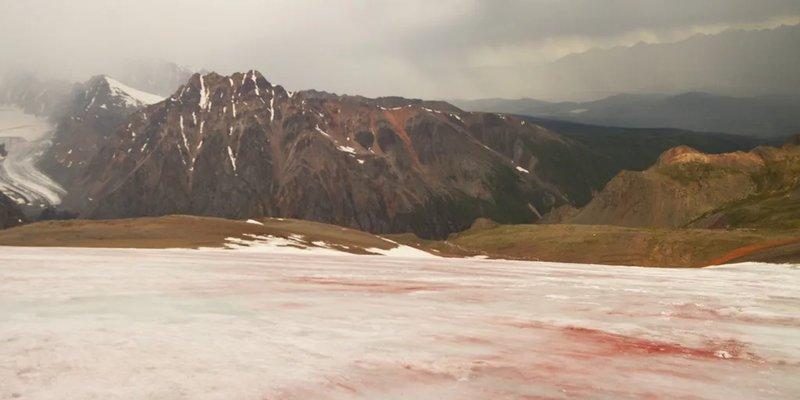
<point x="238" y="146"/>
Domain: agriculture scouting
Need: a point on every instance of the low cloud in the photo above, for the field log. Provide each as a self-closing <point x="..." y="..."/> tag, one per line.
<point x="440" y="49"/>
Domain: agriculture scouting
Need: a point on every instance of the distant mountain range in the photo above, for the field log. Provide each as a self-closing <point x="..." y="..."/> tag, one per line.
<point x="636" y="149"/>
<point x="763" y="116"/>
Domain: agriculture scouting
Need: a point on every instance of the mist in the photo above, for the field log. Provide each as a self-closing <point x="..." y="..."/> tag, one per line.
<point x="443" y="49"/>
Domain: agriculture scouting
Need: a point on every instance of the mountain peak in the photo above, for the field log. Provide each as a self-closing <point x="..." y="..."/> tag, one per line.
<point x="130" y="94"/>
<point x="687" y="155"/>
<point x="681" y="155"/>
<point x="102" y="90"/>
<point x="212" y="89"/>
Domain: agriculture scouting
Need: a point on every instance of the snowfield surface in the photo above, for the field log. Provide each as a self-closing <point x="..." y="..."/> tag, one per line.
<point x="222" y="324"/>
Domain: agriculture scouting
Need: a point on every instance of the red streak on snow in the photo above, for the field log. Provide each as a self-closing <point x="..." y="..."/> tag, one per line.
<point x="291" y="305"/>
<point x="698" y="312"/>
<point x="587" y="343"/>
<point x="396" y="287"/>
<point x="611" y="344"/>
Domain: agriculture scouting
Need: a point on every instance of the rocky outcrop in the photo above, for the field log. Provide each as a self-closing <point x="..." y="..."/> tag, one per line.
<point x="775" y="205"/>
<point x="687" y="187"/>
<point x="10" y="214"/>
<point x="238" y="146"/>
<point x="684" y="155"/>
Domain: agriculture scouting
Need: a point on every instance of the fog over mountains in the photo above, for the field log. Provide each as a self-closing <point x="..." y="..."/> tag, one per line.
<point x="551" y="50"/>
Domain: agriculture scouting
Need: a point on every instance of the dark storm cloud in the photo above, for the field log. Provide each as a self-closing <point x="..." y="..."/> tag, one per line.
<point x="442" y="48"/>
<point x="516" y="21"/>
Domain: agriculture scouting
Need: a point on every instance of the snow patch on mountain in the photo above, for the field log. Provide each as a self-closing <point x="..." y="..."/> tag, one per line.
<point x="232" y="157"/>
<point x="203" y="94"/>
<point x="132" y="97"/>
<point x="346" y="149"/>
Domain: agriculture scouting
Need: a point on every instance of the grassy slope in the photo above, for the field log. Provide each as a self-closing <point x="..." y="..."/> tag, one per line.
<point x="775" y="205"/>
<point x="179" y="231"/>
<point x="595" y="244"/>
<point x="611" y="245"/>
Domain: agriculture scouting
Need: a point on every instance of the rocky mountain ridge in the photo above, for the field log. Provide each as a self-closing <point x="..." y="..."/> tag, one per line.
<point x="685" y="187"/>
<point x="239" y="146"/>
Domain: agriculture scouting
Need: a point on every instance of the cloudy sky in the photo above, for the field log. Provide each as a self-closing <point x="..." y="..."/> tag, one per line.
<point x="420" y="48"/>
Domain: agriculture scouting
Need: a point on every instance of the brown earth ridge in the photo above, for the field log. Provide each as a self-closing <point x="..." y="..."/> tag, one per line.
<point x="593" y="244"/>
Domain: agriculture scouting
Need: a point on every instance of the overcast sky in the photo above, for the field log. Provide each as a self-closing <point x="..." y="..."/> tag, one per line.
<point x="418" y="48"/>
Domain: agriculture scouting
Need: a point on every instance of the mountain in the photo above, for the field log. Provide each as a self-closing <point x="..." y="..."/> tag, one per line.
<point x="238" y="146"/>
<point x="761" y="116"/>
<point x="733" y="62"/>
<point x="10" y="214"/>
<point x="685" y="187"/>
<point x="95" y="109"/>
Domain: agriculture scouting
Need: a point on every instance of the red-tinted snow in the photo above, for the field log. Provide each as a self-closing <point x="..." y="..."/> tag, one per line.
<point x="166" y="324"/>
